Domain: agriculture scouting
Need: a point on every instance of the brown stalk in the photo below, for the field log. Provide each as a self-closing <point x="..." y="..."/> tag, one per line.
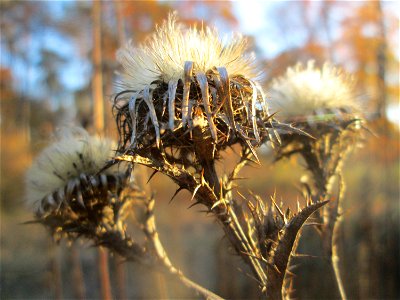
<point x="335" y="223"/>
<point x="121" y="292"/>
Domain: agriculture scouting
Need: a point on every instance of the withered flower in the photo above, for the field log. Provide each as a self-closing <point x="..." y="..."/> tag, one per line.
<point x="65" y="188"/>
<point x="322" y="102"/>
<point x="185" y="78"/>
<point x="312" y="95"/>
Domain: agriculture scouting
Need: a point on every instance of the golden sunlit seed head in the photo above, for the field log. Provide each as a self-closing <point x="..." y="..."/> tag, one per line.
<point x="73" y="153"/>
<point x="182" y="78"/>
<point x="306" y="90"/>
<point x="163" y="55"/>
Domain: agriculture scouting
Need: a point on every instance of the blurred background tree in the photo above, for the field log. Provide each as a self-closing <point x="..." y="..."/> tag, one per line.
<point x="46" y="74"/>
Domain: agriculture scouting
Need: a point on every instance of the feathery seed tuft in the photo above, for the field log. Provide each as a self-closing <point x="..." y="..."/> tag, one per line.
<point x="74" y="152"/>
<point x="306" y="91"/>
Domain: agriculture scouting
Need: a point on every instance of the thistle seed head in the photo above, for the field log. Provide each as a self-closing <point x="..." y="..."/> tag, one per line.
<point x="70" y="192"/>
<point x="162" y="57"/>
<point x="73" y="153"/>
<point x="180" y="72"/>
<point x="309" y="94"/>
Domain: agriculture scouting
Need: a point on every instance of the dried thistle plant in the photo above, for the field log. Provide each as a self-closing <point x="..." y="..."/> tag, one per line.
<point x="321" y="102"/>
<point x="185" y="97"/>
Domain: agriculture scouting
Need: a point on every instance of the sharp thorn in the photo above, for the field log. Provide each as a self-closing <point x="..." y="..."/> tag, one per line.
<point x="195" y="191"/>
<point x="152" y="175"/>
<point x="278" y="208"/>
<point x="194" y="204"/>
<point x="176" y="193"/>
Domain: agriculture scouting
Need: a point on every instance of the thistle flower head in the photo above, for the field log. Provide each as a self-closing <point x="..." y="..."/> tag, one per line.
<point x="321" y="102"/>
<point x="180" y="71"/>
<point x="162" y="57"/>
<point x="306" y="91"/>
<point x="75" y="152"/>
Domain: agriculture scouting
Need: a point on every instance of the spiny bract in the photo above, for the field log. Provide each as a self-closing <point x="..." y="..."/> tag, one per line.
<point x="74" y="152"/>
<point x="306" y="90"/>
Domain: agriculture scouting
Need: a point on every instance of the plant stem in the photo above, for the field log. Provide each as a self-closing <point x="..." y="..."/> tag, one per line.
<point x="330" y="229"/>
<point x="223" y="211"/>
<point x="335" y="265"/>
<point x="334" y="240"/>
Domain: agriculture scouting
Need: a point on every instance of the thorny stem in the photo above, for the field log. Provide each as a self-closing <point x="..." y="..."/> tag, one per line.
<point x="248" y="252"/>
<point x="254" y="262"/>
<point x="323" y="176"/>
<point x="210" y="175"/>
<point x="239" y="232"/>
<point x="269" y="269"/>
<point x="223" y="210"/>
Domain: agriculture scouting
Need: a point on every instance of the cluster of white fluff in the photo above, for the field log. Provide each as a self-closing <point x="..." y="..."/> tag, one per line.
<point x="163" y="55"/>
<point x="304" y="91"/>
<point x="73" y="153"/>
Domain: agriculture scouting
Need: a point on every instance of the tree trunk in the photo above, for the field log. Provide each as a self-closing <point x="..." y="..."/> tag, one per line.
<point x="381" y="63"/>
<point x="104" y="274"/>
<point x="77" y="274"/>
<point x="97" y="80"/>
<point x="98" y="111"/>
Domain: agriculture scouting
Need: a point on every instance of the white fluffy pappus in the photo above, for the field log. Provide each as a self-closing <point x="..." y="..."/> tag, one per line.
<point x="73" y="153"/>
<point x="163" y="55"/>
<point x="306" y="90"/>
